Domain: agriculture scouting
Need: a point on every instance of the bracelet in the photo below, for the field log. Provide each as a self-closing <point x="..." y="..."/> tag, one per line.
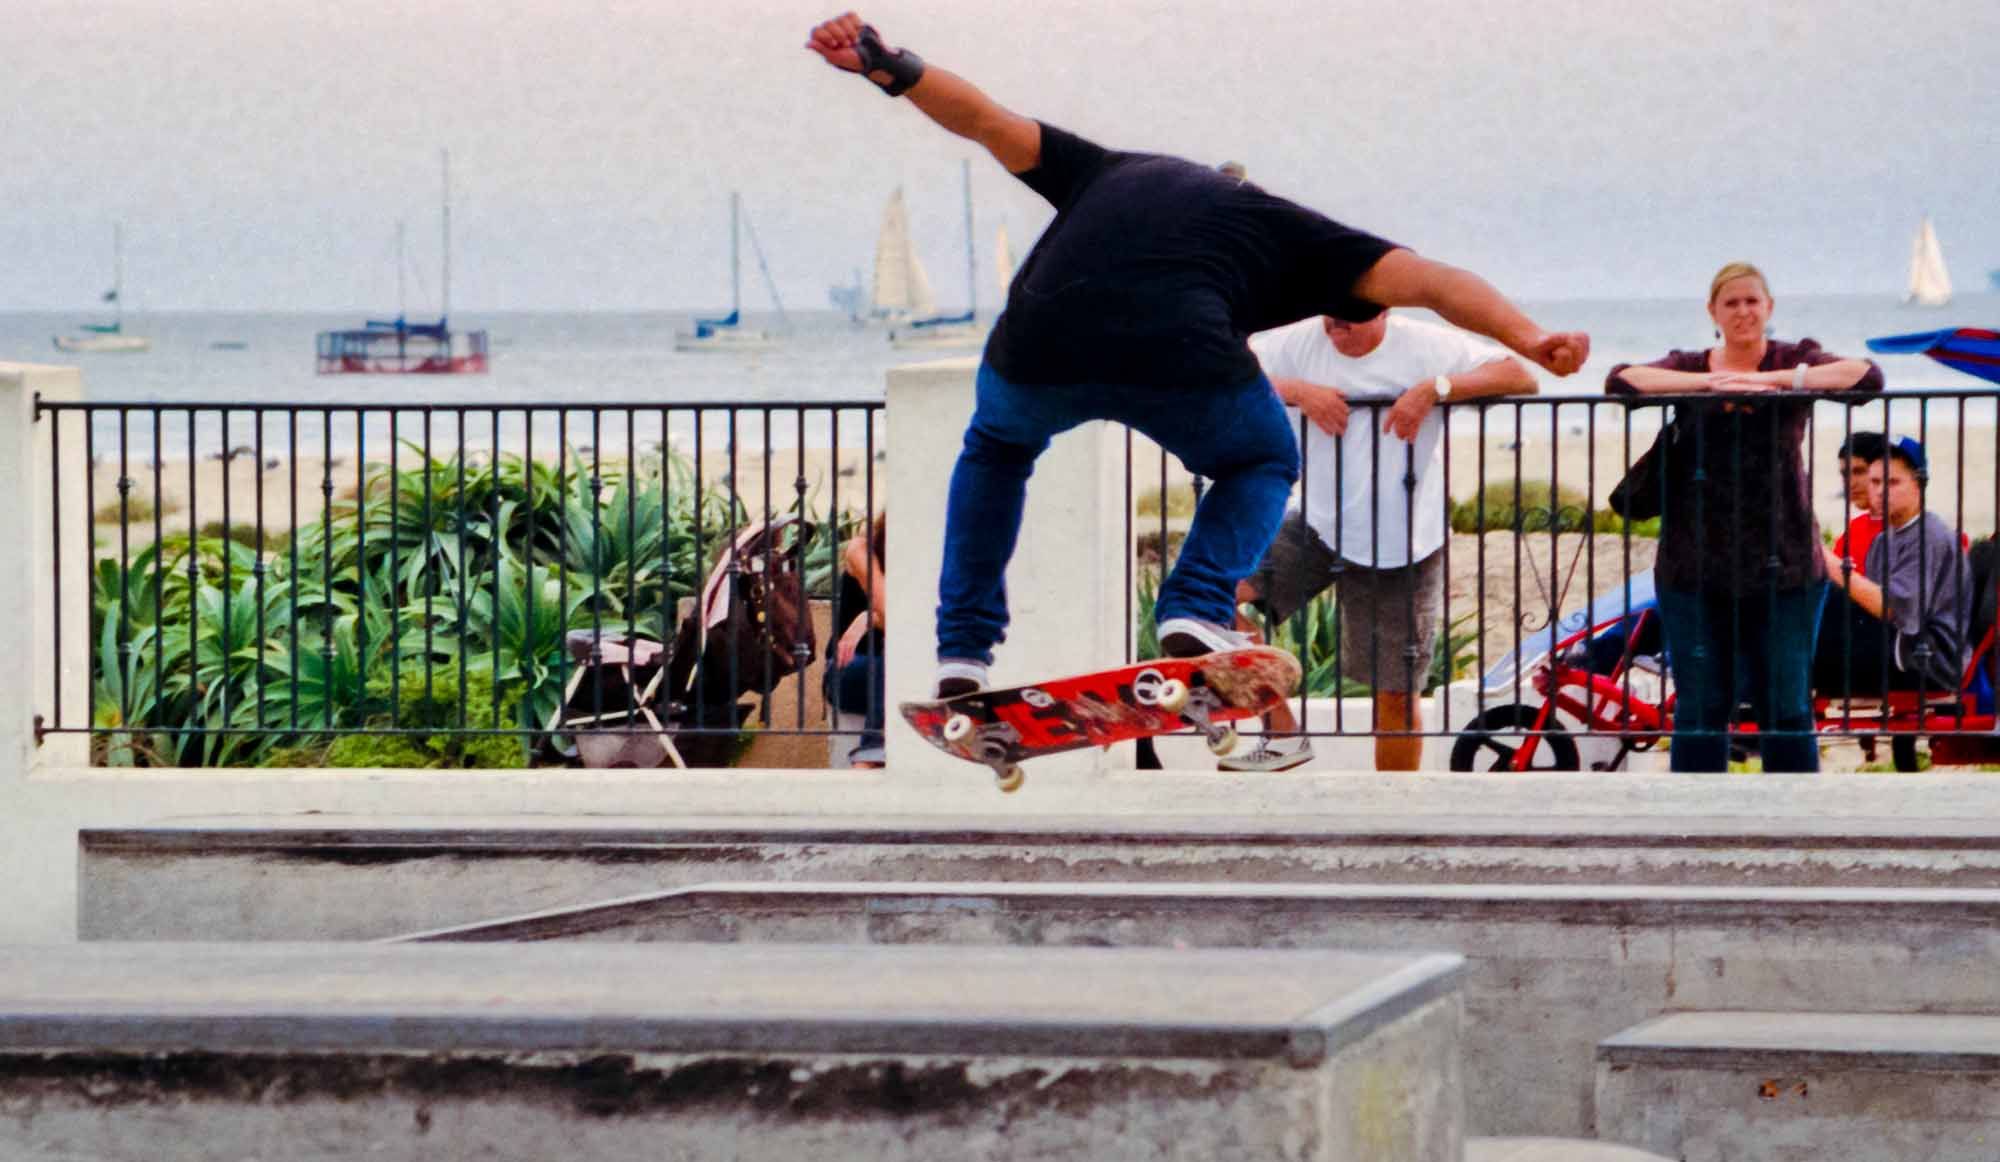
<point x="1799" y="377"/>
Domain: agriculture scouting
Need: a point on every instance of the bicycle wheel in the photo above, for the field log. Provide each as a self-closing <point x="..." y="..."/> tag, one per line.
<point x="1490" y="741"/>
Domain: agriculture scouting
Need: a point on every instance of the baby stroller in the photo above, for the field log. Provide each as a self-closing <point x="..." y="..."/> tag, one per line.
<point x="631" y="701"/>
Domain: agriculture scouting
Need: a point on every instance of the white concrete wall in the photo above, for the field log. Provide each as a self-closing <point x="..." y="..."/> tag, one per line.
<point x="1066" y="587"/>
<point x="29" y="679"/>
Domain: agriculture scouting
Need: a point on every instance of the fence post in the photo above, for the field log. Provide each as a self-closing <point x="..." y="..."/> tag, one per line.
<point x="28" y="524"/>
<point x="1065" y="587"/>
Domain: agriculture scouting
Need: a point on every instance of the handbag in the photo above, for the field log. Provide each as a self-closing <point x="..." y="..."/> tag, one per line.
<point x="1641" y="494"/>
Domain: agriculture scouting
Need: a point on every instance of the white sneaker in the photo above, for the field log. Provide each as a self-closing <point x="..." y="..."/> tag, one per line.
<point x="955" y="676"/>
<point x="1271" y="754"/>
<point x="1188" y="637"/>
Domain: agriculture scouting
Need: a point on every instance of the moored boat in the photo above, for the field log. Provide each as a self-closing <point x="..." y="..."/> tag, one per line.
<point x="727" y="333"/>
<point x="398" y="346"/>
<point x="108" y="337"/>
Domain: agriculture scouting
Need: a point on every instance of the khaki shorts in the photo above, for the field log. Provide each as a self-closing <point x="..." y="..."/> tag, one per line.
<point x="1388" y="617"/>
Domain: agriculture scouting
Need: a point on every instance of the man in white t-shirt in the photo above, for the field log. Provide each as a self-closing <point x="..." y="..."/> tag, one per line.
<point x="1373" y="514"/>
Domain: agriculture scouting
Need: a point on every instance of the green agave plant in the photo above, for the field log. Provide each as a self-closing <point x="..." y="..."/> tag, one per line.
<point x="209" y="652"/>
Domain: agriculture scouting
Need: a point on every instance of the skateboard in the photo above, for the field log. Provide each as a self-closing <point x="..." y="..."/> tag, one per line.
<point x="1002" y="728"/>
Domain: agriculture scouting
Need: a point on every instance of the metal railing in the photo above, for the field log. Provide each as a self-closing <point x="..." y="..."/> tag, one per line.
<point x="270" y="582"/>
<point x="1549" y="628"/>
<point x="474" y="583"/>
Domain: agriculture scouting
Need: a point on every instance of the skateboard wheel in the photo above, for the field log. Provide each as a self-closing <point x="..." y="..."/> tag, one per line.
<point x="1172" y="696"/>
<point x="1009" y="779"/>
<point x="1222" y="741"/>
<point x="957" y="728"/>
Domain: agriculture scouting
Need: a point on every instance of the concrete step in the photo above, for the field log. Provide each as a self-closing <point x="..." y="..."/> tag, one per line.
<point x="1798" y="1086"/>
<point x="310" y="1053"/>
<point x="322" y="877"/>
<point x="1553" y="970"/>
<point x="1552" y="1150"/>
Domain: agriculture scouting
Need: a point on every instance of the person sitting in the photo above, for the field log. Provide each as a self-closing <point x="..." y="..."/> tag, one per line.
<point x="1902" y="624"/>
<point x="1858" y="453"/>
<point x="854" y="680"/>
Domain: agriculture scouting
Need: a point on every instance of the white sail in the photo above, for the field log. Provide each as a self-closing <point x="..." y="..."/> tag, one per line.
<point x="1930" y="283"/>
<point x="1003" y="261"/>
<point x="902" y="286"/>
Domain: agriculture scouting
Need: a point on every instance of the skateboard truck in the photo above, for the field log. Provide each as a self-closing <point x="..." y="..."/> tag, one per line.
<point x="993" y="748"/>
<point x="1195" y="707"/>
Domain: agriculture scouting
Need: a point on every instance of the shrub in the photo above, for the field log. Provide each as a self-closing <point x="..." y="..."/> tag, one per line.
<point x="1526" y="510"/>
<point x="1606" y="521"/>
<point x="240" y="532"/>
<point x="239" y="660"/>
<point x="414" y="709"/>
<point x="1180" y="502"/>
<point x="137" y="506"/>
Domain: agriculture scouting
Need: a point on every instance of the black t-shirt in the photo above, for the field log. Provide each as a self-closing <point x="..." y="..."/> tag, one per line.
<point x="1156" y="271"/>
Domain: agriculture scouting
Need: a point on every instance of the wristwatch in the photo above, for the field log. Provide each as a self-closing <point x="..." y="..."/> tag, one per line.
<point x="1443" y="388"/>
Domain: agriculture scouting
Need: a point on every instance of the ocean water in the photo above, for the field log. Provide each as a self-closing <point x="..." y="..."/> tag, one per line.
<point x="606" y="358"/>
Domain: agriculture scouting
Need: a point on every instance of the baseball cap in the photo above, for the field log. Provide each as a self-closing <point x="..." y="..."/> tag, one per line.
<point x="1910" y="452"/>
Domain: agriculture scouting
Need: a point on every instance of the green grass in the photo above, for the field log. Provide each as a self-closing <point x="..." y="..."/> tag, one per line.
<point x="1180" y="501"/>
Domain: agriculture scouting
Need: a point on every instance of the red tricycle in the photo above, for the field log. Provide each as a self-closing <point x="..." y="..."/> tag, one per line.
<point x="1599" y="676"/>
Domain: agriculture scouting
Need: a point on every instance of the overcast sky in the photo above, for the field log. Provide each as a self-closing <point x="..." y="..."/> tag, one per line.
<point x="260" y="153"/>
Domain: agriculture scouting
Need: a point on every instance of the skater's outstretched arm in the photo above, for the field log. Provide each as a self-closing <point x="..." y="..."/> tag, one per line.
<point x="1405" y="279"/>
<point x="943" y="96"/>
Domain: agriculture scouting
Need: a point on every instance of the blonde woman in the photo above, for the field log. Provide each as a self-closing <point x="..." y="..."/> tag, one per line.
<point x="1740" y="575"/>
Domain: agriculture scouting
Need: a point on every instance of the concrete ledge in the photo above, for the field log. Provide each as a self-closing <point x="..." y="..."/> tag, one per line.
<point x="1893" y="1041"/>
<point x="1865" y="1087"/>
<point x="332" y="1051"/>
<point x="634" y="918"/>
<point x="315" y="877"/>
<point x="1553" y="970"/>
<point x="1552" y="1150"/>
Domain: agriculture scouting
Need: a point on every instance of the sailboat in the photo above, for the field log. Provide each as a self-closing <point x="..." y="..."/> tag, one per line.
<point x="398" y="346"/>
<point x="1930" y="284"/>
<point x="728" y="333"/>
<point x="108" y="336"/>
<point x="902" y="285"/>
<point x="950" y="330"/>
<point x="848" y="299"/>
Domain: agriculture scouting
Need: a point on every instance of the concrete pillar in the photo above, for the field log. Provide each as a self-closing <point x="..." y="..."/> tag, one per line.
<point x="33" y="516"/>
<point x="1067" y="584"/>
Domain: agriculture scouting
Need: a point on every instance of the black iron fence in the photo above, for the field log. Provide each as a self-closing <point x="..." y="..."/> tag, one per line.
<point x="410" y="585"/>
<point x="1537" y="618"/>
<point x="498" y="585"/>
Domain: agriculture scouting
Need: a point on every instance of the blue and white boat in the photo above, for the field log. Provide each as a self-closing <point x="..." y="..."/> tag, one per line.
<point x="728" y="333"/>
<point x="108" y="337"/>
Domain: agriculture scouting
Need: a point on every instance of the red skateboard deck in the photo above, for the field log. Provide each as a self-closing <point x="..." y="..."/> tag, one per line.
<point x="1002" y="728"/>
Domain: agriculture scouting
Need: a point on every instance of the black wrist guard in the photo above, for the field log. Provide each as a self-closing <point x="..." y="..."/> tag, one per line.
<point x="903" y="66"/>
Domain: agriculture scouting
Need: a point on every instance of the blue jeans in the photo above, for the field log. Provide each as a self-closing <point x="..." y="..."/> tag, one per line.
<point x="1756" y="648"/>
<point x="856" y="688"/>
<point x="1236" y="436"/>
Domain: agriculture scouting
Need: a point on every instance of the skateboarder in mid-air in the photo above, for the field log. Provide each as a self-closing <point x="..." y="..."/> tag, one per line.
<point x="1136" y="306"/>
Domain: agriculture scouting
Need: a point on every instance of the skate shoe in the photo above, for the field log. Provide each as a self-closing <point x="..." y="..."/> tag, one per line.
<point x="1188" y="637"/>
<point x="1271" y="754"/>
<point x="955" y="676"/>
